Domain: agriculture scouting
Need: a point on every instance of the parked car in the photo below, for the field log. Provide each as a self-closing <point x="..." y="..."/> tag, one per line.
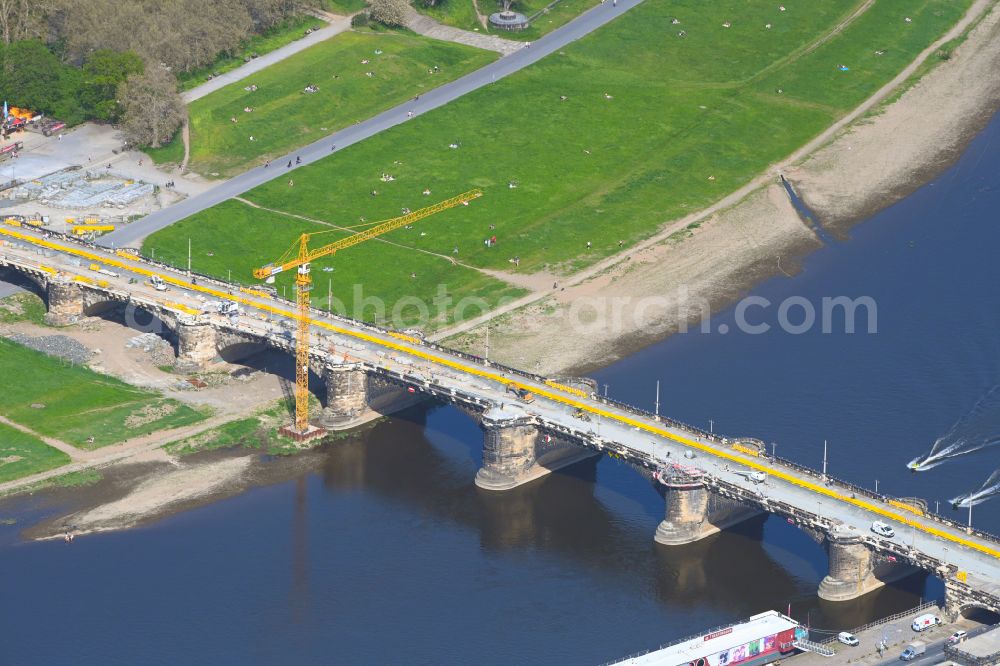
<point x="925" y="621"/>
<point x="847" y="638"/>
<point x="883" y="530"/>
<point x="958" y="637"/>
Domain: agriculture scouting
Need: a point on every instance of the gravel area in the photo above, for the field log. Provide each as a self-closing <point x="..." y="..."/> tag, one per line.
<point x="59" y="346"/>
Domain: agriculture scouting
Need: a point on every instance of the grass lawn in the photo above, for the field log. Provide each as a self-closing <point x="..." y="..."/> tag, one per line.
<point x="24" y="306"/>
<point x="21" y="454"/>
<point x="79" y="403"/>
<point x="654" y="126"/>
<point x="344" y="7"/>
<point x="284" y="33"/>
<point x="284" y="117"/>
<point x="260" y="231"/>
<point x="462" y="14"/>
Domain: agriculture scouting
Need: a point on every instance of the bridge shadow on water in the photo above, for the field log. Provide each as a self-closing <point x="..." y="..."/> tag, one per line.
<point x="599" y="517"/>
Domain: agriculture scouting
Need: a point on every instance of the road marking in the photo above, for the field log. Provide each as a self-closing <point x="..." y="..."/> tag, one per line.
<point x="486" y="374"/>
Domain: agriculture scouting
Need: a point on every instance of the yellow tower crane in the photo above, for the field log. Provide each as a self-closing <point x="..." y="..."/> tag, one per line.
<point x="299" y="256"/>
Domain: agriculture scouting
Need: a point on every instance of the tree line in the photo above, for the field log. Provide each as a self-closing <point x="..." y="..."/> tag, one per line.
<point x="116" y="60"/>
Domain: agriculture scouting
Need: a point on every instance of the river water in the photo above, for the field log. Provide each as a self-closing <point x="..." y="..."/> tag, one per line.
<point x="379" y="549"/>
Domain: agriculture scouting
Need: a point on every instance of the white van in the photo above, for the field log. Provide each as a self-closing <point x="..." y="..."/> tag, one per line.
<point x="925" y="621"/>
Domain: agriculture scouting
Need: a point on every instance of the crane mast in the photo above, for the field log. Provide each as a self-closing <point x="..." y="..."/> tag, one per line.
<point x="300" y="258"/>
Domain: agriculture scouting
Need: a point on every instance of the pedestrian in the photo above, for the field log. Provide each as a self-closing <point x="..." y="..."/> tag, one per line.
<point x="140" y="162"/>
<point x="298" y="160"/>
<point x="267" y="163"/>
<point x="409" y="114"/>
<point x="289" y="164"/>
<point x="333" y="148"/>
<point x="614" y="3"/>
<point x="588" y="245"/>
<point x="291" y="182"/>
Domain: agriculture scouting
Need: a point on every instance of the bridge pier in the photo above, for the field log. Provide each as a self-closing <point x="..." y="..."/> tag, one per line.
<point x="65" y="300"/>
<point x="508" y="450"/>
<point x="195" y="346"/>
<point x="854" y="570"/>
<point x="850" y="570"/>
<point x="346" y="394"/>
<point x="693" y="512"/>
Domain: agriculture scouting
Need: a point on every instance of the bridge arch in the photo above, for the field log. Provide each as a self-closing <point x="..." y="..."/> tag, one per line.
<point x="28" y="282"/>
<point x="980" y="613"/>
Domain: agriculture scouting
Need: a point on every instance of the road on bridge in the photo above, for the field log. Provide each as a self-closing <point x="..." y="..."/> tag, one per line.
<point x="581" y="26"/>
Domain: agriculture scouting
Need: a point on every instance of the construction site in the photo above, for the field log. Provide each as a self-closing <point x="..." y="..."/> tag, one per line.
<point x="59" y="178"/>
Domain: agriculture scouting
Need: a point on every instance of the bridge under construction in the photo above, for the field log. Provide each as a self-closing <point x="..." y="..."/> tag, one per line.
<point x="710" y="482"/>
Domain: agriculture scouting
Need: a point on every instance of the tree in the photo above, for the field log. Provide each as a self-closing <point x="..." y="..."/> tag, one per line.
<point x="21" y="19"/>
<point x="104" y="72"/>
<point x="152" y="110"/>
<point x="31" y="76"/>
<point x="389" y="12"/>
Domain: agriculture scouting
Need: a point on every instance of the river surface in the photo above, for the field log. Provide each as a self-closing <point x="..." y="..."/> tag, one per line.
<point x="381" y="549"/>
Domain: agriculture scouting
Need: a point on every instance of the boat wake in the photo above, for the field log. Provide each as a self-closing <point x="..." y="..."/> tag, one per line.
<point x="975" y="431"/>
<point x="987" y="491"/>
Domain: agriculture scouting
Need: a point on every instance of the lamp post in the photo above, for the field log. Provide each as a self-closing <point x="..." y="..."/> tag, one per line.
<point x="824" y="459"/>
<point x="657" y="400"/>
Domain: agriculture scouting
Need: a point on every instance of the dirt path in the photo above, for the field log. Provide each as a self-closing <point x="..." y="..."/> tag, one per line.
<point x="119" y="452"/>
<point x="768" y="176"/>
<point x="186" y="138"/>
<point x="70" y="450"/>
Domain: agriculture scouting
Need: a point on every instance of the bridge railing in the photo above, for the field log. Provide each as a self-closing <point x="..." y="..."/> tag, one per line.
<point x="879" y="497"/>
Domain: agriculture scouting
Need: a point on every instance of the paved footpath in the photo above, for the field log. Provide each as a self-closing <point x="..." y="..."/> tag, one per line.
<point x="428" y="27"/>
<point x="581" y="26"/>
<point x="337" y="25"/>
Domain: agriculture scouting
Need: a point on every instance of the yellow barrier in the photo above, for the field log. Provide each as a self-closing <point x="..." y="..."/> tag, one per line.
<point x="567" y="389"/>
<point x="182" y="308"/>
<point x="866" y="504"/>
<point x="905" y="507"/>
<point x="406" y="338"/>
<point x="47" y="269"/>
<point x="747" y="450"/>
<point x="12" y="221"/>
<point x="255" y="292"/>
<point x="962" y="576"/>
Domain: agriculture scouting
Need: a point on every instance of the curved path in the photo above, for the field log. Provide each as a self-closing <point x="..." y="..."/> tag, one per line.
<point x="555" y="40"/>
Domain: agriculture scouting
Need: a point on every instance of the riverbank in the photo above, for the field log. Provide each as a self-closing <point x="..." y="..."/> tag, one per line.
<point x="704" y="262"/>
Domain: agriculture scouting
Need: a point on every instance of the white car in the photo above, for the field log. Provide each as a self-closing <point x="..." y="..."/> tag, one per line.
<point x="883" y="530"/>
<point x="957" y="637"/>
<point x="847" y="638"/>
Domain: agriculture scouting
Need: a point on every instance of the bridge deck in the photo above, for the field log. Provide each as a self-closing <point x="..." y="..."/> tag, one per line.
<point x="801" y="495"/>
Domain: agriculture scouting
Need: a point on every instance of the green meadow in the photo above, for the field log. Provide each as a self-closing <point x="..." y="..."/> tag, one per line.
<point x="72" y="403"/>
<point x="658" y="114"/>
<point x="285" y="117"/>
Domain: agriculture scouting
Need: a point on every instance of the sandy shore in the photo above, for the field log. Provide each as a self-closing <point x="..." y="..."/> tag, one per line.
<point x="713" y="259"/>
<point x="161" y="493"/>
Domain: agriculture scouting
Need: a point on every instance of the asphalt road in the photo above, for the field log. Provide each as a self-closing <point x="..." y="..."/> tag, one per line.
<point x="557" y="39"/>
<point x="934" y="653"/>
